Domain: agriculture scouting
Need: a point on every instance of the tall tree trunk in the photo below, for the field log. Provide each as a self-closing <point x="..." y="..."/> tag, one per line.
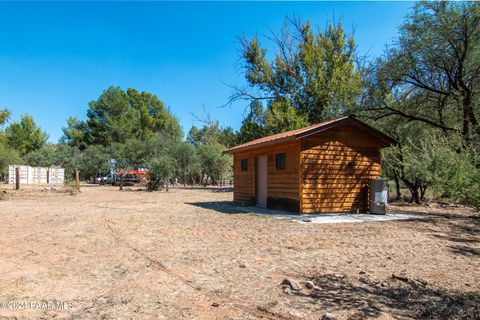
<point x="466" y="117"/>
<point x="469" y="118"/>
<point x="422" y="192"/>
<point x="398" y="197"/>
<point x="413" y="187"/>
<point x="415" y="196"/>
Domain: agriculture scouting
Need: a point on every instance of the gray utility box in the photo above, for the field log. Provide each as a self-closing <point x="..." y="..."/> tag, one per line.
<point x="378" y="196"/>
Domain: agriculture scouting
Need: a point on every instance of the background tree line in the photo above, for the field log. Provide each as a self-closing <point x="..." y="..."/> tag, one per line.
<point x="423" y="91"/>
<point x="127" y="129"/>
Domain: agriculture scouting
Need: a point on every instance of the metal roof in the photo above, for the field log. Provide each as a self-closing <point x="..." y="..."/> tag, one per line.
<point x="304" y="132"/>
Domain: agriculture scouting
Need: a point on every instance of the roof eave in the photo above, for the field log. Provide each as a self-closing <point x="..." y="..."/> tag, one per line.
<point x="322" y="128"/>
<point x="258" y="145"/>
<point x="385" y="139"/>
<point x="379" y="134"/>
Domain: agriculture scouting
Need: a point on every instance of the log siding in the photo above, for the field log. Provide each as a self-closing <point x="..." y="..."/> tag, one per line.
<point x="336" y="167"/>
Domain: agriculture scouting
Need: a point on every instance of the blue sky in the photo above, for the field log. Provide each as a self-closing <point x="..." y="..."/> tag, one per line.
<point x="56" y="57"/>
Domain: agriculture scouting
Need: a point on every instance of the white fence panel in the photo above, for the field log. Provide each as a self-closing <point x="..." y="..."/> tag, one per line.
<point x="57" y="175"/>
<point x="39" y="175"/>
<point x="24" y="174"/>
<point x="36" y="175"/>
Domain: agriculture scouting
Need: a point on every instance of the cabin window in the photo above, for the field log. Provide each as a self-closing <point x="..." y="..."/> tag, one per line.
<point x="244" y="164"/>
<point x="280" y="161"/>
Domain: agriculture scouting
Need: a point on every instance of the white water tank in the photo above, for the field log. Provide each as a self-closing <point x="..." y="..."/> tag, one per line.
<point x="378" y="196"/>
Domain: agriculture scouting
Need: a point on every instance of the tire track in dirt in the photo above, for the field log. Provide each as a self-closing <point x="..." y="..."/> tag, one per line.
<point x="158" y="265"/>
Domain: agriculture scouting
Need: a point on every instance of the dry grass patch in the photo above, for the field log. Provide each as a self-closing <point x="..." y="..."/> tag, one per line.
<point x="189" y="254"/>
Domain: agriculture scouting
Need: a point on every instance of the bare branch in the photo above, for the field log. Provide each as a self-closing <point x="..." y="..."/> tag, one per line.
<point x="242" y="93"/>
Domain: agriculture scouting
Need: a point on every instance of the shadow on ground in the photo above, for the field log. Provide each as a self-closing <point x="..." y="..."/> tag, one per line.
<point x="462" y="231"/>
<point x="211" y="189"/>
<point x="227" y="207"/>
<point x="403" y="299"/>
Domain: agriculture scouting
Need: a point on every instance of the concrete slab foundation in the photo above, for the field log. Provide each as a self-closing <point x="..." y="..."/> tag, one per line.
<point x="327" y="217"/>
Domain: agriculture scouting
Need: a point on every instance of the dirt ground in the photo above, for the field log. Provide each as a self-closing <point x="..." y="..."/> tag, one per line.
<point x="189" y="254"/>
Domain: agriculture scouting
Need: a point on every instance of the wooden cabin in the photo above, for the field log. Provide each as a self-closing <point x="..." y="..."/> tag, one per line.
<point x="318" y="169"/>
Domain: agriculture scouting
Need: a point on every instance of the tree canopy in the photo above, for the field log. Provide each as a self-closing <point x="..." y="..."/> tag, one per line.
<point x="432" y="73"/>
<point x="425" y="92"/>
<point x="25" y="136"/>
<point x="119" y="115"/>
<point x="315" y="73"/>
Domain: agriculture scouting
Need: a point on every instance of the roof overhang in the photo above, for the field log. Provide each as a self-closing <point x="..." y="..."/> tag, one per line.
<point x="386" y="140"/>
<point x="260" y="145"/>
<point x="303" y="133"/>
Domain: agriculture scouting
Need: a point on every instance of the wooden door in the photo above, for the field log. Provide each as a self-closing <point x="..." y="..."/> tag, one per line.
<point x="262" y="176"/>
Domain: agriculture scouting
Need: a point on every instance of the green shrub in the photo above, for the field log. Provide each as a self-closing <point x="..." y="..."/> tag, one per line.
<point x="161" y="168"/>
<point x="455" y="174"/>
<point x="8" y="156"/>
